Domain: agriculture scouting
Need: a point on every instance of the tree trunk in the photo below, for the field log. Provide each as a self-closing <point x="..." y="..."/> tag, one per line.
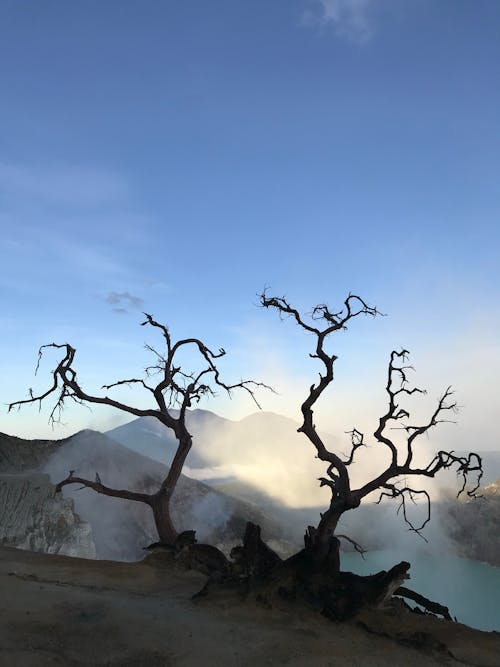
<point x="322" y="551"/>
<point x="161" y="511"/>
<point x="322" y="545"/>
<point x="161" y="500"/>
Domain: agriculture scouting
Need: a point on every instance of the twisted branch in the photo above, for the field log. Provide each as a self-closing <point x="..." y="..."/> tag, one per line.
<point x="397" y="387"/>
<point x="357" y="547"/>
<point x="103" y="489"/>
<point x="175" y="388"/>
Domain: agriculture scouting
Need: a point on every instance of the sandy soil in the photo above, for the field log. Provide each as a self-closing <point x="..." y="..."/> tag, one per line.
<point x="56" y="610"/>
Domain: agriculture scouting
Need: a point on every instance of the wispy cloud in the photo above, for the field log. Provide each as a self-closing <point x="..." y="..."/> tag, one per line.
<point x="122" y="299"/>
<point x="351" y="19"/>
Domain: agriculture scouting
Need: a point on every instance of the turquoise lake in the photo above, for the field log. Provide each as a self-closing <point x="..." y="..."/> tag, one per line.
<point x="471" y="590"/>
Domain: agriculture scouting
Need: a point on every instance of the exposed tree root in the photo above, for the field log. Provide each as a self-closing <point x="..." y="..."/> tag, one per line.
<point x="433" y="607"/>
<point x="255" y="569"/>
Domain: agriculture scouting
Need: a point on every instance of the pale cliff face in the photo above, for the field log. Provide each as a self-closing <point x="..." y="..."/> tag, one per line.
<point x="33" y="517"/>
<point x="79" y="522"/>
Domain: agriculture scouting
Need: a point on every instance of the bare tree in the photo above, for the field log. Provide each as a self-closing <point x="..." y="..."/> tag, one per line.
<point x="173" y="394"/>
<point x="396" y="481"/>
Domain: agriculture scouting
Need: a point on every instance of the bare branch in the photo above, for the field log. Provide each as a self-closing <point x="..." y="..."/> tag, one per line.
<point x="353" y="306"/>
<point x="433" y="607"/>
<point x="392" y="491"/>
<point x="394" y="413"/>
<point x="175" y="387"/>
<point x="355" y="544"/>
<point x="357" y="441"/>
<point x="284" y="308"/>
<point x="128" y="382"/>
<point x="65" y="379"/>
<point x="465" y="465"/>
<point x="342" y="498"/>
<point x="101" y="488"/>
<point x="164" y="329"/>
<point x="397" y="389"/>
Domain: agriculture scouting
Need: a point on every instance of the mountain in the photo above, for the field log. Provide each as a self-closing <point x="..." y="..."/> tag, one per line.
<point x="213" y="436"/>
<point x="120" y="528"/>
<point x="262" y="452"/>
<point x="216" y="440"/>
<point x="474" y="524"/>
<point x="17" y="454"/>
<point x="32" y="515"/>
<point x="149" y="437"/>
<point x="256" y="469"/>
<point x="231" y="455"/>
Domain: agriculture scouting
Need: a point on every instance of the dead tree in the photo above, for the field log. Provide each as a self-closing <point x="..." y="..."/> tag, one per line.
<point x="396" y="480"/>
<point x="173" y="394"/>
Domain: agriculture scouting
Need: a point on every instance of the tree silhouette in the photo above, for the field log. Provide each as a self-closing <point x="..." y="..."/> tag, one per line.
<point x="393" y="482"/>
<point x="313" y="573"/>
<point x="173" y="394"/>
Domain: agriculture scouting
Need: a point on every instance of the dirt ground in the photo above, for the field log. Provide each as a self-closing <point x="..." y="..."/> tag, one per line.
<point x="56" y="610"/>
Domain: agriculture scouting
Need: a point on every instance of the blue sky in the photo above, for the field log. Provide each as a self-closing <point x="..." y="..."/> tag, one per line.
<point x="175" y="157"/>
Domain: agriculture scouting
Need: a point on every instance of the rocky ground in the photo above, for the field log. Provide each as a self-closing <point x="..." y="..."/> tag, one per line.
<point x="57" y="610"/>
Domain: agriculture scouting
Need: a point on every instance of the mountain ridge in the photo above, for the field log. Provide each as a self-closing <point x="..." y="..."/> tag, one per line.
<point x="121" y="528"/>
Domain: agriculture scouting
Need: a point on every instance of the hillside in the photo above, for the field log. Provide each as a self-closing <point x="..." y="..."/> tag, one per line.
<point x="217" y="507"/>
<point x="228" y="456"/>
<point x="474" y="525"/>
<point x="262" y="451"/>
<point x="32" y="515"/>
<point x="119" y="528"/>
<point x="149" y="437"/>
<point x="17" y="455"/>
<point x="70" y="612"/>
<point x="217" y="441"/>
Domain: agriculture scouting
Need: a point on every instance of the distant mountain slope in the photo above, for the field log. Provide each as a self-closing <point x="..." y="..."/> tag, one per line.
<point x="215" y="437"/>
<point x="17" y="454"/>
<point x="215" y="516"/>
<point x="150" y="438"/>
<point x="263" y="451"/>
<point x="121" y="528"/>
<point x="260" y="455"/>
<point x="474" y="524"/>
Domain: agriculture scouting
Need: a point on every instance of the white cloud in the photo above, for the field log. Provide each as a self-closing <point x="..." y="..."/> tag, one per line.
<point x="351" y="19"/>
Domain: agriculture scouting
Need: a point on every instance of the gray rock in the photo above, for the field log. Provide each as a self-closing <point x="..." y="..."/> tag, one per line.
<point x="33" y="517"/>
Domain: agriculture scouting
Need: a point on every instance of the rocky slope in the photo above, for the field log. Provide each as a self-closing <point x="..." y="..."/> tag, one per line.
<point x="17" y="455"/>
<point x="77" y="520"/>
<point x="474" y="524"/>
<point x="33" y="517"/>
